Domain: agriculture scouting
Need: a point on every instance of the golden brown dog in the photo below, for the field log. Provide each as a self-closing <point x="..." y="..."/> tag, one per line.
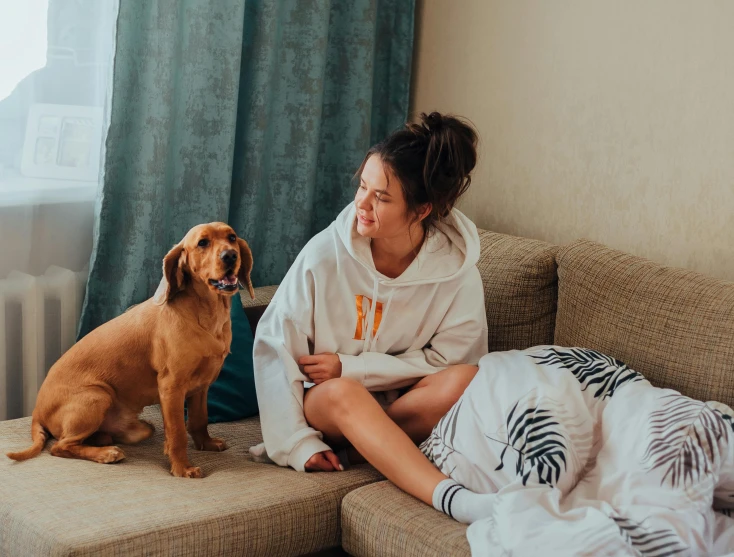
<point x="167" y="350"/>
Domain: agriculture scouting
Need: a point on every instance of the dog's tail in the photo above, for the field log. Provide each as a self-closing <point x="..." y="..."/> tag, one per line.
<point x="38" y="434"/>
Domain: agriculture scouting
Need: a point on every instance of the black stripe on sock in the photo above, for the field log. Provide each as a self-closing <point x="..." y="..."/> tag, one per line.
<point x="452" y="498"/>
<point x="445" y="493"/>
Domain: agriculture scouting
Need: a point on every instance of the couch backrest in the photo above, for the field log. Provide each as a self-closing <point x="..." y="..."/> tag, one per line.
<point x="520" y="290"/>
<point x="254" y="309"/>
<point x="674" y="326"/>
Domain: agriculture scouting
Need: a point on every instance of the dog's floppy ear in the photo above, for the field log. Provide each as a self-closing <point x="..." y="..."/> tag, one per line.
<point x="173" y="275"/>
<point x="245" y="266"/>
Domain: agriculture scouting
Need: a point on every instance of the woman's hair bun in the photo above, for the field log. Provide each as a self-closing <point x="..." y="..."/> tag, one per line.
<point x="451" y="155"/>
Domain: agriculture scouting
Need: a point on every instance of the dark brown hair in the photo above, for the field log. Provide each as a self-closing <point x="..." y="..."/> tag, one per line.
<point x="432" y="159"/>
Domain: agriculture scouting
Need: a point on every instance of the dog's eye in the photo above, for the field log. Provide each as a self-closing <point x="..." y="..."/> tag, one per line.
<point x="232" y="238"/>
<point x="203" y="243"/>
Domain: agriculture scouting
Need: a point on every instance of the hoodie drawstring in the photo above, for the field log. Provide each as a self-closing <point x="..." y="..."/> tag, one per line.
<point x="370" y="340"/>
<point x="366" y="346"/>
<point x="383" y="320"/>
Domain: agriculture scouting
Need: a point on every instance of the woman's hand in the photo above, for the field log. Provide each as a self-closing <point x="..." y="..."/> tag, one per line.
<point x="321" y="367"/>
<point x="326" y="461"/>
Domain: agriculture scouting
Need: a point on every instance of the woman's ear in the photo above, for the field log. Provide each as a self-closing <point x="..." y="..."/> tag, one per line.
<point x="245" y="266"/>
<point x="173" y="274"/>
<point x="424" y="211"/>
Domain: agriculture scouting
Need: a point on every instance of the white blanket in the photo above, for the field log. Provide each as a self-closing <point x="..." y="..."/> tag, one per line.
<point x="587" y="458"/>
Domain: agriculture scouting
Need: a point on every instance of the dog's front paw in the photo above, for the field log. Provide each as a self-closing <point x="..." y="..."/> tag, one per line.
<point x="186" y="472"/>
<point x="212" y="444"/>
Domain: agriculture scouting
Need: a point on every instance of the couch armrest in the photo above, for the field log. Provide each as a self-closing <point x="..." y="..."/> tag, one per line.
<point x="255" y="308"/>
<point x="263" y="295"/>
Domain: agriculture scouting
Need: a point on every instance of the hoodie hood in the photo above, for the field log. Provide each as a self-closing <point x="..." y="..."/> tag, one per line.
<point x="447" y="252"/>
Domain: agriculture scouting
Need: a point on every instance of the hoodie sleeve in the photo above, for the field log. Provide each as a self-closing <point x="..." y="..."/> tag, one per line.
<point x="280" y="340"/>
<point x="461" y="339"/>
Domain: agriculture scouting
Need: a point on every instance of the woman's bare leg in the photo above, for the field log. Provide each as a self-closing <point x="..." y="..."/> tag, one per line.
<point x="346" y="412"/>
<point x="343" y="408"/>
<point x="418" y="411"/>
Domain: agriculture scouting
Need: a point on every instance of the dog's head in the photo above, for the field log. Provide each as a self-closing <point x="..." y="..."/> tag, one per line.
<point x="210" y="254"/>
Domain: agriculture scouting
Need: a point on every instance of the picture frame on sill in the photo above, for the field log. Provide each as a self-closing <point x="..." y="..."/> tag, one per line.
<point x="62" y="142"/>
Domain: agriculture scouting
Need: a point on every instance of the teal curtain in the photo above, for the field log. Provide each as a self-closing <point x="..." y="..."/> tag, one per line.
<point x="252" y="112"/>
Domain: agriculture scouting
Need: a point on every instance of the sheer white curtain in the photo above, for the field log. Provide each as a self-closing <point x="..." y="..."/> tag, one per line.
<point x="55" y="87"/>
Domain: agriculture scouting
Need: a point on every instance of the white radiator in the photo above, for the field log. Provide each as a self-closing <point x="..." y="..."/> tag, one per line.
<point x="38" y="323"/>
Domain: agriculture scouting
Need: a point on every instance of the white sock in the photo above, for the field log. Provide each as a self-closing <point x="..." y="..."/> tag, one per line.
<point x="459" y="503"/>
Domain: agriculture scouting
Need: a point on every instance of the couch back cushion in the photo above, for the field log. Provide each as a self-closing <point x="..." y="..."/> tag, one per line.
<point x="520" y="290"/>
<point x="674" y="326"/>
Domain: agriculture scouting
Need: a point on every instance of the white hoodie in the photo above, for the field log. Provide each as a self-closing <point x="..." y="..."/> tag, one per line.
<point x="428" y="318"/>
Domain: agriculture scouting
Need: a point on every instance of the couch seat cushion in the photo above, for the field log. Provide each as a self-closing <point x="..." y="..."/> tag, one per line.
<point x="379" y="520"/>
<point x="52" y="506"/>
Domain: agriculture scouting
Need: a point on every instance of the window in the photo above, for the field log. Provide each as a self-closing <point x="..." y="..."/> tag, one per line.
<point x="55" y="78"/>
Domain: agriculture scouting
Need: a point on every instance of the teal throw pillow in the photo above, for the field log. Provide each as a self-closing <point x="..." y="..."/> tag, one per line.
<point x="232" y="396"/>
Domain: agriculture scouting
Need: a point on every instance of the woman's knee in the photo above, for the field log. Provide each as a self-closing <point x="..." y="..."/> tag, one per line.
<point x="431" y="398"/>
<point x="464" y="373"/>
<point x="456" y="380"/>
<point x="332" y="396"/>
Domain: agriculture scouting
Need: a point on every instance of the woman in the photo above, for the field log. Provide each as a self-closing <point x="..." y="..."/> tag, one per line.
<point x="362" y="343"/>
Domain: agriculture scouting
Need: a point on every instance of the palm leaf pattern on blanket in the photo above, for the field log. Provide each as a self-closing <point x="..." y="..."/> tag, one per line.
<point x="725" y="492"/>
<point x="539" y="446"/>
<point x="440" y="444"/>
<point x="649" y="543"/>
<point x="591" y="368"/>
<point x="624" y="534"/>
<point x="728" y="418"/>
<point x="686" y="436"/>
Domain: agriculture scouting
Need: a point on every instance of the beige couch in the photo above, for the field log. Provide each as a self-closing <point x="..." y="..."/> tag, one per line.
<point x="674" y="326"/>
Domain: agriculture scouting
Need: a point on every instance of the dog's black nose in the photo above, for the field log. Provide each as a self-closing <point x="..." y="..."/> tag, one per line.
<point x="228" y="256"/>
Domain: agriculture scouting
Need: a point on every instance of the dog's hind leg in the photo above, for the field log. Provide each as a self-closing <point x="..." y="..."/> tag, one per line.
<point x="125" y="427"/>
<point x="132" y="431"/>
<point x="82" y="418"/>
<point x="103" y="455"/>
<point x="99" y="439"/>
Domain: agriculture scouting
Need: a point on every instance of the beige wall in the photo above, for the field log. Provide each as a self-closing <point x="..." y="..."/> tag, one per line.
<point x="612" y="120"/>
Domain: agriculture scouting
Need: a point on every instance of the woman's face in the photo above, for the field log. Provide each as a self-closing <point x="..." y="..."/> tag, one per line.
<point x="381" y="208"/>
